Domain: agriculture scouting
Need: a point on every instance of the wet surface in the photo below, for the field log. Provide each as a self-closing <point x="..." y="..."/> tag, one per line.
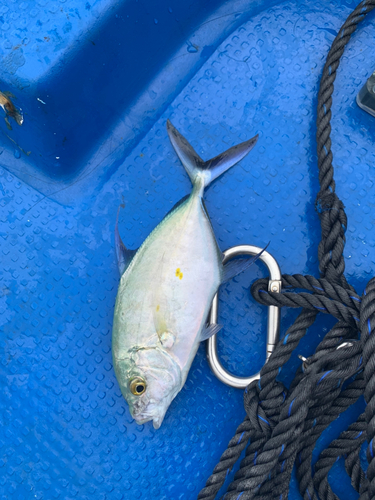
<point x="67" y="432"/>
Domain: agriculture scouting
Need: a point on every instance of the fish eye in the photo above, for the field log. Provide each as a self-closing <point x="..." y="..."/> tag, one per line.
<point x="137" y="386"/>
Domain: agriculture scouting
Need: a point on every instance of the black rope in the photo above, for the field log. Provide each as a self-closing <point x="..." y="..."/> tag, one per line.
<point x="282" y="425"/>
<point x="348" y="443"/>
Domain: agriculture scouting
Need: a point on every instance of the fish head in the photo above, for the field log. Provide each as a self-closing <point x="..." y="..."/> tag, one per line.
<point x="18" y="116"/>
<point x="149" y="381"/>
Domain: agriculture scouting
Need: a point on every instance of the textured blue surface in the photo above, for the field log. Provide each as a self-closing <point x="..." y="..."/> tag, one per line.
<point x="222" y="73"/>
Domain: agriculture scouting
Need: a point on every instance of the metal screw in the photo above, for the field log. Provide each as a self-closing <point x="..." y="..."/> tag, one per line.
<point x="274" y="286"/>
<point x="305" y="362"/>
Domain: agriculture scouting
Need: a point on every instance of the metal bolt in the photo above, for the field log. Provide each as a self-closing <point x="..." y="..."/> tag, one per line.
<point x="274" y="286"/>
<point x="305" y="362"/>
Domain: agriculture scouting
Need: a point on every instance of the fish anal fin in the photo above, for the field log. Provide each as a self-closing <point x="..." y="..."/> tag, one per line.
<point x="209" y="331"/>
<point x="237" y="266"/>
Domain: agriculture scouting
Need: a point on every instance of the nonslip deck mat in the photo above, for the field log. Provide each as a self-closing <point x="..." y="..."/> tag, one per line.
<point x="66" y="431"/>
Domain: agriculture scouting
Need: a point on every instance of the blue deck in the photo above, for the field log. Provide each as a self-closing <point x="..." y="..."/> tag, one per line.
<point x="96" y="82"/>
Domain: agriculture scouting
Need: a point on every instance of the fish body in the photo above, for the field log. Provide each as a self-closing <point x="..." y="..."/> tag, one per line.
<point x="10" y="109"/>
<point x="166" y="290"/>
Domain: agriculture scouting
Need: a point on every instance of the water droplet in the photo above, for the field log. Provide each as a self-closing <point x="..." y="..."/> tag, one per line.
<point x="191" y="48"/>
<point x="170" y="10"/>
<point x="156" y="21"/>
<point x="17" y="153"/>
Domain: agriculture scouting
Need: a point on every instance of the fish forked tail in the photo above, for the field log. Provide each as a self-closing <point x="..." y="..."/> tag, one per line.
<point x="210" y="169"/>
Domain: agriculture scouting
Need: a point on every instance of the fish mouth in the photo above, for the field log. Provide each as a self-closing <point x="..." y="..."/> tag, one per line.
<point x="143" y="418"/>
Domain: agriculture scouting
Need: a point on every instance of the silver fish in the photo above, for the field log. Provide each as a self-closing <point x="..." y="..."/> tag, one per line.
<point x="166" y="290"/>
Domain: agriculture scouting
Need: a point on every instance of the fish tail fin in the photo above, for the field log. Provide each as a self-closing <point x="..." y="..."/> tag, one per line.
<point x="211" y="169"/>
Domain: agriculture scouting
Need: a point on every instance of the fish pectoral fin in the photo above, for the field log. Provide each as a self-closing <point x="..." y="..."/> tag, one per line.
<point x="234" y="267"/>
<point x="209" y="331"/>
<point x="124" y="255"/>
<point x="167" y="339"/>
<point x="160" y="323"/>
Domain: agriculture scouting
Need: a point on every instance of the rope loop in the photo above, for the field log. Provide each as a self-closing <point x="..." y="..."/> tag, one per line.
<point x="263" y="418"/>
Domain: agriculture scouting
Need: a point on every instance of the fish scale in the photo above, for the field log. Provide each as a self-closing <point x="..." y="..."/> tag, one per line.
<point x="166" y="291"/>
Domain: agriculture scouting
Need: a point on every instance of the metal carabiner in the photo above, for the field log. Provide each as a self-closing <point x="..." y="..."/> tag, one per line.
<point x="273" y="326"/>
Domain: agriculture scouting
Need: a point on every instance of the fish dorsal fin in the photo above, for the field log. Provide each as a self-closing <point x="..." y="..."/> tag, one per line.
<point x="124" y="255"/>
<point x="210" y="169"/>
<point x="237" y="266"/>
<point x="209" y="331"/>
<point x="176" y="205"/>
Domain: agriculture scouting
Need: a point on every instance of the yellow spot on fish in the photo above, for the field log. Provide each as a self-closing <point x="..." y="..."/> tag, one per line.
<point x="157" y="308"/>
<point x="179" y="274"/>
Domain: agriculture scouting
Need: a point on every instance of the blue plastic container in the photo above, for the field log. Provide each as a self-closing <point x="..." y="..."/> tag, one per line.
<point x="96" y="82"/>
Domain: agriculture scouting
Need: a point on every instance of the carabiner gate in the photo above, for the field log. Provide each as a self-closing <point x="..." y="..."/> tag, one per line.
<point x="273" y="326"/>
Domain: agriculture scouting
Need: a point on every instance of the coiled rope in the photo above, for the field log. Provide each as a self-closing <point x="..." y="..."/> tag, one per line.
<point x="282" y="425"/>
